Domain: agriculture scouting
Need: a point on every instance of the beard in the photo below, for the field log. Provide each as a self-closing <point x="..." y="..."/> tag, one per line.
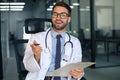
<point x="59" y="27"/>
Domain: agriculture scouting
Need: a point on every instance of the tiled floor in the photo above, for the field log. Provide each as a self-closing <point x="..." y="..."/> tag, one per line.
<point x="106" y="73"/>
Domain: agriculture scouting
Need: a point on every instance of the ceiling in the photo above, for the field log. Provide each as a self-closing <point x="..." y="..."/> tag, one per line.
<point x="16" y="0"/>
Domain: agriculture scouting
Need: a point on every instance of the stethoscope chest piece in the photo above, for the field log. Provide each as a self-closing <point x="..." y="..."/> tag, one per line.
<point x="47" y="50"/>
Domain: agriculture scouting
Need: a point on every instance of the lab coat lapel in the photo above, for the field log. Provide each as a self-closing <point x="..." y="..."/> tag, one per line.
<point x="49" y="42"/>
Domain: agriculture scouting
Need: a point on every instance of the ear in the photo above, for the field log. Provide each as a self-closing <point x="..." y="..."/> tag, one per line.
<point x="69" y="19"/>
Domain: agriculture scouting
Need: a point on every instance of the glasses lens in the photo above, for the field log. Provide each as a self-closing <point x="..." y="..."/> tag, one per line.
<point x="62" y="15"/>
<point x="54" y="14"/>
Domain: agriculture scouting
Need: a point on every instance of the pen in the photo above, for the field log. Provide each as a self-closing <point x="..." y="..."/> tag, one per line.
<point x="37" y="44"/>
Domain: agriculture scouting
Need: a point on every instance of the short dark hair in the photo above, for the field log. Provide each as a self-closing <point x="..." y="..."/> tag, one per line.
<point x="63" y="4"/>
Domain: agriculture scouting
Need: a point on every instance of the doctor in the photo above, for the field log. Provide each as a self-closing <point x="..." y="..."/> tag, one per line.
<point x="39" y="58"/>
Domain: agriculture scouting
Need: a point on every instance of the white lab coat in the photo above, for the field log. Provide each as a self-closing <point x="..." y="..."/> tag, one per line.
<point x="38" y="71"/>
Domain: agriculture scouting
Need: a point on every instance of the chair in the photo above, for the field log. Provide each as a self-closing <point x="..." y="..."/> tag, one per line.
<point x="81" y="37"/>
<point x="116" y="35"/>
<point x="85" y="43"/>
<point x="34" y="25"/>
<point x="118" y="48"/>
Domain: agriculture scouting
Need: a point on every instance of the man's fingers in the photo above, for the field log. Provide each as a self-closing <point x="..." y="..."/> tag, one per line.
<point x="76" y="73"/>
<point x="35" y="43"/>
<point x="35" y="48"/>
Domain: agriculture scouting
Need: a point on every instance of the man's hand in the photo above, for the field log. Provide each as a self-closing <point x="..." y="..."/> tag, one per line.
<point x="76" y="73"/>
<point x="37" y="49"/>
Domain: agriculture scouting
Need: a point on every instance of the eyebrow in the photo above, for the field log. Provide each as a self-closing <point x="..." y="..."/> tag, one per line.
<point x="60" y="12"/>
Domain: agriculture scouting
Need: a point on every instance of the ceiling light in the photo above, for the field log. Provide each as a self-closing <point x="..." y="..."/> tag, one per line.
<point x="15" y="3"/>
<point x="71" y="7"/>
<point x="54" y="3"/>
<point x="4" y="7"/>
<point x="49" y="9"/>
<point x="16" y="7"/>
<point x="18" y="3"/>
<point x="4" y="3"/>
<point x="82" y="9"/>
<point x="76" y="4"/>
<point x="51" y="6"/>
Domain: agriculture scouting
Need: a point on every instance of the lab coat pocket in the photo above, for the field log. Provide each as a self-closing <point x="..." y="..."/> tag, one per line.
<point x="45" y="59"/>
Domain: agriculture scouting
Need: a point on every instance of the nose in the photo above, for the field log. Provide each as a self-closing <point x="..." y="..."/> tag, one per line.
<point x="58" y="16"/>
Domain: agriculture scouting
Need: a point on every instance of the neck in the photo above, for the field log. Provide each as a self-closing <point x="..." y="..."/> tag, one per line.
<point x="59" y="31"/>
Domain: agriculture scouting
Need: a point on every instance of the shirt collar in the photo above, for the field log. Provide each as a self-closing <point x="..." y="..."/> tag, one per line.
<point x="54" y="34"/>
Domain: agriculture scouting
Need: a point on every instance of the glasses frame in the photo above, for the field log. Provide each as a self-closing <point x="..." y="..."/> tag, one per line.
<point x="62" y="15"/>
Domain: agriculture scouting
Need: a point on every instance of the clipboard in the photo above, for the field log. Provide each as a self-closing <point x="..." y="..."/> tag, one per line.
<point x="64" y="71"/>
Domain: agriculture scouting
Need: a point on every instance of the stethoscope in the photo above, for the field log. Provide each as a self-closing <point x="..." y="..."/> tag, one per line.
<point x="65" y="58"/>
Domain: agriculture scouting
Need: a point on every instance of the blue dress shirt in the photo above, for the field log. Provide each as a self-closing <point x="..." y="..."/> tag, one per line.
<point x="54" y="34"/>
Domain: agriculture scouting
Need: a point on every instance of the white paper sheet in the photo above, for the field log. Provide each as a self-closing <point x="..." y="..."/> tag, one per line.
<point x="64" y="71"/>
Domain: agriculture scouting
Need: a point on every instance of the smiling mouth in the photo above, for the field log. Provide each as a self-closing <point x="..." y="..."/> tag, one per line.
<point x="58" y="22"/>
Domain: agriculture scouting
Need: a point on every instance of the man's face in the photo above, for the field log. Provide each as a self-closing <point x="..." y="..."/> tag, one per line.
<point x="60" y="18"/>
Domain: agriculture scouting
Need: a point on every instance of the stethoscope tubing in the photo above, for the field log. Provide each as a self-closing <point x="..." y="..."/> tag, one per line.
<point x="69" y="41"/>
<point x="46" y="37"/>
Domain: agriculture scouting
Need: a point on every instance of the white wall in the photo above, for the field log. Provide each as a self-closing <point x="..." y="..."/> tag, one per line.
<point x="117" y="14"/>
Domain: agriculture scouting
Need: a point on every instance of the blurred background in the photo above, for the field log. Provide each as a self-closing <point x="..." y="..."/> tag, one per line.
<point x="94" y="22"/>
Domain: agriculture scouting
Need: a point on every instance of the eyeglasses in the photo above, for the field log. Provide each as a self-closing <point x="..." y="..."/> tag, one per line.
<point x="62" y="15"/>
